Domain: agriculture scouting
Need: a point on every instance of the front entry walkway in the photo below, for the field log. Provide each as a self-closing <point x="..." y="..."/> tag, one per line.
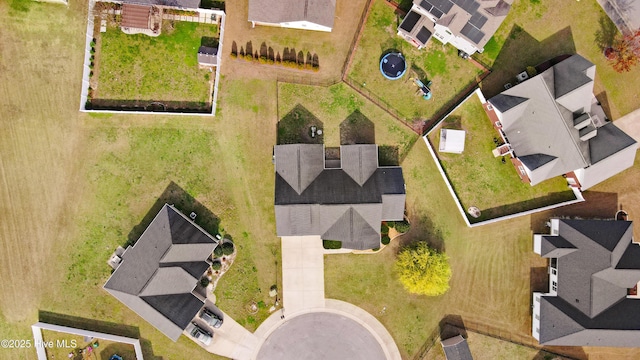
<point x="302" y="273"/>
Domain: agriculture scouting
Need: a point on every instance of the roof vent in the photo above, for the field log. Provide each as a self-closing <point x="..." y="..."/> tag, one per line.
<point x="588" y="132"/>
<point x="581" y="121"/>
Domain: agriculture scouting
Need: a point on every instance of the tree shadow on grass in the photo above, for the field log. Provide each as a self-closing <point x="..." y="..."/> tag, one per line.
<point x="521" y="50"/>
<point x="296" y="127"/>
<point x="607" y="32"/>
<point x="357" y="129"/>
<point x="422" y="229"/>
<point x="185" y="203"/>
<point x="98" y="326"/>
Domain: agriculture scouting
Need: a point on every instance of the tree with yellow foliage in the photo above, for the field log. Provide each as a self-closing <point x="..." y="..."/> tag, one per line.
<point x="424" y="270"/>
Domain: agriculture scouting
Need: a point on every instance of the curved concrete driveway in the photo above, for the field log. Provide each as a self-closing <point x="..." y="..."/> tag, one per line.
<point x="320" y="336"/>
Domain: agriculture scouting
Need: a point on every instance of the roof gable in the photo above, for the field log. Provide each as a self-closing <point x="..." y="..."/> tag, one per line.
<point x="320" y="12"/>
<point x="359" y="161"/>
<point x="299" y="164"/>
<point x="609" y="141"/>
<point x="535" y="161"/>
<point x="354" y="231"/>
<point x="504" y="102"/>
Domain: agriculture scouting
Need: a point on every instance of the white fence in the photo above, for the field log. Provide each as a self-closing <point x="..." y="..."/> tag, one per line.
<point x="576" y="192"/>
<point x="39" y="343"/>
<point x="204" y="14"/>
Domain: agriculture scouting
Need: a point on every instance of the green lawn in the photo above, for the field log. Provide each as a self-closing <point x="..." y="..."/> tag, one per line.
<point x="437" y="63"/>
<point x="339" y="104"/>
<point x="163" y="68"/>
<point x="536" y="31"/>
<point x="482" y="180"/>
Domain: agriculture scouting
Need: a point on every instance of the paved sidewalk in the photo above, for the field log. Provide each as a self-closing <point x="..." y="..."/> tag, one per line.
<point x="630" y="124"/>
<point x="302" y="273"/>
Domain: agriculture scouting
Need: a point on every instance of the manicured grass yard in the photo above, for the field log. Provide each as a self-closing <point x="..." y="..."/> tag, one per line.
<point x="339" y="104"/>
<point x="536" y="31"/>
<point x="163" y="68"/>
<point x="440" y="64"/>
<point x="479" y="179"/>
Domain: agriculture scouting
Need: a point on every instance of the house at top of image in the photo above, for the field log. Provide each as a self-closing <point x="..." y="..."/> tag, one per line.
<point x="594" y="270"/>
<point x="296" y="14"/>
<point x="342" y="199"/>
<point x="553" y="125"/>
<point x="466" y="24"/>
<point x="158" y="275"/>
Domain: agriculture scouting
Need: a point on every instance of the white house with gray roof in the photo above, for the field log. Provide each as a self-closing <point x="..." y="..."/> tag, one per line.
<point x="553" y="125"/>
<point x="344" y="200"/>
<point x="159" y="273"/>
<point x="594" y="270"/>
<point x="466" y="24"/>
<point x="296" y="14"/>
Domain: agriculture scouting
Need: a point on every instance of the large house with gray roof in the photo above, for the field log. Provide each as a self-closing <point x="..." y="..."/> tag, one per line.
<point x="158" y="275"/>
<point x="553" y="125"/>
<point x="594" y="270"/>
<point x="342" y="199"/>
<point x="466" y="24"/>
<point x="296" y="14"/>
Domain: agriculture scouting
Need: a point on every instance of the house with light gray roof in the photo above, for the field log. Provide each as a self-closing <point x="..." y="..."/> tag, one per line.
<point x="466" y="24"/>
<point x="594" y="270"/>
<point x="553" y="125"/>
<point x="296" y="14"/>
<point x="344" y="200"/>
<point x="158" y="275"/>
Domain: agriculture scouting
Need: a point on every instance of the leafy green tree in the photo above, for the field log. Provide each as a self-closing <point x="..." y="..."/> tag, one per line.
<point x="423" y="270"/>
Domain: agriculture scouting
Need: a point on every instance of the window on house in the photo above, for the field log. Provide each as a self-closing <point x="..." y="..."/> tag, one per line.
<point x="537" y="316"/>
<point x="537" y="331"/>
<point x="538" y="299"/>
<point x="554" y="271"/>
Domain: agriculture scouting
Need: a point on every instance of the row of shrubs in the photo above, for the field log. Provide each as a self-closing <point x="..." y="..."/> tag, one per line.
<point x="282" y="62"/>
<point x="181" y="12"/>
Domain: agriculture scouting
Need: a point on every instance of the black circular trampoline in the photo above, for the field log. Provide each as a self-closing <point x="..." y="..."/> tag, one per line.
<point x="393" y="66"/>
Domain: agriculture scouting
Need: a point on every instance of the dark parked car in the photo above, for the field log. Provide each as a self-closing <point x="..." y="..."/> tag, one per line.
<point x="211" y="318"/>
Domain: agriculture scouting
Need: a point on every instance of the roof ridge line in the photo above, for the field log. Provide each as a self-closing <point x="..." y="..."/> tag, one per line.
<point x="556" y="105"/>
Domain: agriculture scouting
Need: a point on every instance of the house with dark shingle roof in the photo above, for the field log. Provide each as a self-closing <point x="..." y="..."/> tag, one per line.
<point x="554" y="125"/>
<point x="456" y="348"/>
<point x="159" y="273"/>
<point x="466" y="24"/>
<point x="296" y="14"/>
<point x="594" y="270"/>
<point x="344" y="201"/>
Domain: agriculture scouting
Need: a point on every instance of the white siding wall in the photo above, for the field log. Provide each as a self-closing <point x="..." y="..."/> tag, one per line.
<point x="608" y="167"/>
<point x="305" y="25"/>
<point x="535" y="317"/>
<point x="537" y="243"/>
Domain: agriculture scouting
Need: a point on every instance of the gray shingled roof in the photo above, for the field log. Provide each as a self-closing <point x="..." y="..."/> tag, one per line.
<point x="208" y="55"/>
<point x="345" y="204"/>
<point x="158" y="274"/>
<point x="591" y="307"/>
<point x="610" y="140"/>
<point x="538" y="118"/>
<point x="319" y="12"/>
<point x="456" y="348"/>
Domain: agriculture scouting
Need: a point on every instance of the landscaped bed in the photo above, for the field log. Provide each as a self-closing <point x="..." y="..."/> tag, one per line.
<point x="440" y="64"/>
<point x="140" y="71"/>
<point x="479" y="179"/>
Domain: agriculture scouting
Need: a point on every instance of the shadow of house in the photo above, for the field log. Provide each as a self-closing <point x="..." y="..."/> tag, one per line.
<point x="102" y="327"/>
<point x="177" y="196"/>
<point x="452" y="325"/>
<point x="210" y="42"/>
<point x="296" y="127"/>
<point x="597" y="205"/>
<point x="521" y="50"/>
<point x="357" y="129"/>
<point x="388" y="155"/>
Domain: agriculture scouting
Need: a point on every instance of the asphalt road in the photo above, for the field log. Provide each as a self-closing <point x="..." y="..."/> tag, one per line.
<point x="321" y="336"/>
